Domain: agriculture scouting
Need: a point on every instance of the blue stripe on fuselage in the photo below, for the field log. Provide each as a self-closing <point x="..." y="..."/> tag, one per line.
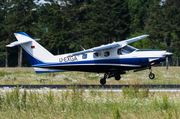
<point x="130" y="61"/>
<point x="32" y="60"/>
<point x="48" y="71"/>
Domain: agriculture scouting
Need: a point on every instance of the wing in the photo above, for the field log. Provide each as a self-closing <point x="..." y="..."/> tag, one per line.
<point x="112" y="45"/>
<point x="135" y="39"/>
<point x="102" y="47"/>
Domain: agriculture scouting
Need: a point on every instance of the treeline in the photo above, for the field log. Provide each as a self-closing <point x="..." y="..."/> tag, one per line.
<point x="64" y="25"/>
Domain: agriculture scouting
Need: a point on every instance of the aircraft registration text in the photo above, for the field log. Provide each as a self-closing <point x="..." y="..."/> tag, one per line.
<point x="67" y="59"/>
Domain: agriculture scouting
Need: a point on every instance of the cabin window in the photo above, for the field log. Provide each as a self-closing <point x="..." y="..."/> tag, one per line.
<point x="125" y="50"/>
<point x="84" y="56"/>
<point x="95" y="55"/>
<point x="106" y="54"/>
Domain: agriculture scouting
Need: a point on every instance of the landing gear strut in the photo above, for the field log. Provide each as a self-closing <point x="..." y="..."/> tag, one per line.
<point x="103" y="80"/>
<point x="151" y="75"/>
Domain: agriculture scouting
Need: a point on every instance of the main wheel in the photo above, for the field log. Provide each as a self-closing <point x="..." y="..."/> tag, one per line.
<point x="103" y="81"/>
<point x="118" y="77"/>
<point x="151" y="76"/>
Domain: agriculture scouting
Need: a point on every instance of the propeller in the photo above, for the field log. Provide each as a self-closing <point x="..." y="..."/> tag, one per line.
<point x="168" y="53"/>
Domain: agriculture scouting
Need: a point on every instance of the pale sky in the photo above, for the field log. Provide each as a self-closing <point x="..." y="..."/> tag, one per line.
<point x="42" y="1"/>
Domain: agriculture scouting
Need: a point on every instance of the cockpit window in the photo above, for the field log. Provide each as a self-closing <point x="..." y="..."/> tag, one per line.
<point x="125" y="50"/>
<point x="95" y="55"/>
<point x="106" y="54"/>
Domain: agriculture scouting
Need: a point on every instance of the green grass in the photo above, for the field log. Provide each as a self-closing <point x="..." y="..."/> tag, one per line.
<point x="28" y="76"/>
<point x="78" y="104"/>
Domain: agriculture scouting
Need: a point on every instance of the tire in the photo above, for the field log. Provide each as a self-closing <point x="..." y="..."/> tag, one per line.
<point x="103" y="81"/>
<point x="151" y="76"/>
<point x="118" y="77"/>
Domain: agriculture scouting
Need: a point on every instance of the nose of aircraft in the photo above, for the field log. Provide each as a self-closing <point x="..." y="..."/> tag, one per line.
<point x="168" y="53"/>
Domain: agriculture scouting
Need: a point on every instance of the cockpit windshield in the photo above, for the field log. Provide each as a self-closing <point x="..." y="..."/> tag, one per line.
<point x="126" y="50"/>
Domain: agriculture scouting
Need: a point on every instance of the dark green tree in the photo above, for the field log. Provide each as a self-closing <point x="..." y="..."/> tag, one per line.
<point x="162" y="21"/>
<point x="3" y="35"/>
<point x="58" y="23"/>
<point x="21" y="17"/>
<point x="138" y="11"/>
<point x="77" y="16"/>
<point x="103" y="22"/>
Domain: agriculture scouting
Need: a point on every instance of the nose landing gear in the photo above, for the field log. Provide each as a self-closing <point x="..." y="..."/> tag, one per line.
<point x="151" y="75"/>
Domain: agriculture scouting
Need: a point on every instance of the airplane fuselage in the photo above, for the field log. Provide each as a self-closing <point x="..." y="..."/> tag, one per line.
<point x="88" y="62"/>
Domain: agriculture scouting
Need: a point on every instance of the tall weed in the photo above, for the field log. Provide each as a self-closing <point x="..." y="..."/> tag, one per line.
<point x="77" y="103"/>
<point x="2" y="73"/>
<point x="135" y="92"/>
<point x="165" y="102"/>
<point x="116" y="113"/>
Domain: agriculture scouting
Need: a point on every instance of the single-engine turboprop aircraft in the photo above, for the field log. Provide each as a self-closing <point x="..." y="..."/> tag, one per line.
<point x="112" y="59"/>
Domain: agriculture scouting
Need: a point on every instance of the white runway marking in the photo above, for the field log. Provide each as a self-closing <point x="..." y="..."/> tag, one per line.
<point x="87" y="90"/>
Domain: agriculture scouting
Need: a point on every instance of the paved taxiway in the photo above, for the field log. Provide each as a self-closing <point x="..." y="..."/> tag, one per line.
<point x="4" y="89"/>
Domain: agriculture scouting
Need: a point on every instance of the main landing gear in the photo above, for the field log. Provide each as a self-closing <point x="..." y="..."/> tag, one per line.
<point x="117" y="77"/>
<point x="151" y="75"/>
<point x="103" y="80"/>
<point x="109" y="75"/>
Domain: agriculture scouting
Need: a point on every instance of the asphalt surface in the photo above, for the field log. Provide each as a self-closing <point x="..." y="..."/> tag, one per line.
<point x="114" y="87"/>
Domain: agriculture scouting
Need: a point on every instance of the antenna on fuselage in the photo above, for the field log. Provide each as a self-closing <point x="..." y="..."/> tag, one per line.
<point x="82" y="47"/>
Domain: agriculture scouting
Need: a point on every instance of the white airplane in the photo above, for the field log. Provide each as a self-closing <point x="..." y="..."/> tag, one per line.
<point x="112" y="59"/>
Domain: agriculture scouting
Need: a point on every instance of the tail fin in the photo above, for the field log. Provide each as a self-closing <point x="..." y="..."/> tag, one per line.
<point x="34" y="51"/>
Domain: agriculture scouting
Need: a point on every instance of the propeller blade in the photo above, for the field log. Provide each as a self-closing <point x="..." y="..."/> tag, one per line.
<point x="168" y="55"/>
<point x="171" y="44"/>
<point x="165" y="42"/>
<point x="167" y="64"/>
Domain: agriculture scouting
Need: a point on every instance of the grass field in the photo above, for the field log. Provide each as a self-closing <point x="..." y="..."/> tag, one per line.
<point x="28" y="76"/>
<point x="78" y="104"/>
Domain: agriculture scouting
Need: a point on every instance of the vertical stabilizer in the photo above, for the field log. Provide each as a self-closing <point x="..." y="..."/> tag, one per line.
<point x="34" y="51"/>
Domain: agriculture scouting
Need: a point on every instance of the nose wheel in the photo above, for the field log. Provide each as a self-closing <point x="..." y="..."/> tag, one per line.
<point x="151" y="75"/>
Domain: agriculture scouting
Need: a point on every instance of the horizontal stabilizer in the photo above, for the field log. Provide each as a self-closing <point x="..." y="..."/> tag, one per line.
<point x="17" y="43"/>
<point x="37" y="39"/>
